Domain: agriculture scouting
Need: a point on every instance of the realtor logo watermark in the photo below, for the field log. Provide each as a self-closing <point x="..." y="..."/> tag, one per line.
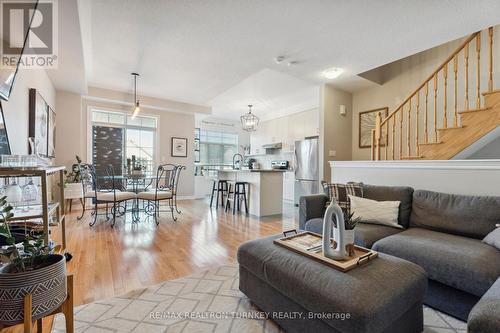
<point x="41" y="47"/>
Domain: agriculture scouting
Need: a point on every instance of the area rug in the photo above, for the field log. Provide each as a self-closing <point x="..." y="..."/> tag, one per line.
<point x="209" y="301"/>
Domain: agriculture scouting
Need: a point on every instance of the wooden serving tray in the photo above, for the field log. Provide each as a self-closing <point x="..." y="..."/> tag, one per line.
<point x="302" y="243"/>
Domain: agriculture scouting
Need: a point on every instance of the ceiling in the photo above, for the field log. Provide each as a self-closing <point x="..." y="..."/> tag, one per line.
<point x="221" y="52"/>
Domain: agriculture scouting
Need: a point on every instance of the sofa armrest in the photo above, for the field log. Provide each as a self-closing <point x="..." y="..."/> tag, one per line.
<point x="485" y="315"/>
<point x="310" y="207"/>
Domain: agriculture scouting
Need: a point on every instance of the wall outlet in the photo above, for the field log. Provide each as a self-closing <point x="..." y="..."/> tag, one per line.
<point x="332" y="153"/>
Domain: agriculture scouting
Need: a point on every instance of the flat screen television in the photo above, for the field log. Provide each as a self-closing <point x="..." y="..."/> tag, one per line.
<point x="9" y="63"/>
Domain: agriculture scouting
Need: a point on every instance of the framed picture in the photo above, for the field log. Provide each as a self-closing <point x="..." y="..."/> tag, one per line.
<point x="367" y="123"/>
<point x="179" y="147"/>
<point x="51" y="133"/>
<point x="38" y="121"/>
<point x="4" y="138"/>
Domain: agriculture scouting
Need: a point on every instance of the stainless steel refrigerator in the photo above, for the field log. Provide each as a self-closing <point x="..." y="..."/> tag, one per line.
<point x="306" y="168"/>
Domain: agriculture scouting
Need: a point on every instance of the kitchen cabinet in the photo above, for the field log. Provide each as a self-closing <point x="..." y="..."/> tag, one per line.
<point x="286" y="130"/>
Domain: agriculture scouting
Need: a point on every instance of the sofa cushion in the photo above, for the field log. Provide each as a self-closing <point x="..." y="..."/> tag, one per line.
<point x="364" y="234"/>
<point x="493" y="239"/>
<point x="392" y="193"/>
<point x="463" y="263"/>
<point x="485" y="315"/>
<point x="340" y="193"/>
<point x="375" y="212"/>
<point x="471" y="216"/>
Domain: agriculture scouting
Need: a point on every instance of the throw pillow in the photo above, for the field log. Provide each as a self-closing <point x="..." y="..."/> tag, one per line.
<point x="493" y="238"/>
<point x="376" y="212"/>
<point x="340" y="193"/>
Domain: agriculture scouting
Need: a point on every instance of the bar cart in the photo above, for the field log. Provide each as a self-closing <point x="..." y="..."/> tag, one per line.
<point x="45" y="210"/>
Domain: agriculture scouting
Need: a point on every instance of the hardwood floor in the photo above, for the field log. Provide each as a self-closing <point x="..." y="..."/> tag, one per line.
<point x="112" y="261"/>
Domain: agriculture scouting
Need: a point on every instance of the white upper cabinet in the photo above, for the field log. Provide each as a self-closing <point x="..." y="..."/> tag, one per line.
<point x="286" y="130"/>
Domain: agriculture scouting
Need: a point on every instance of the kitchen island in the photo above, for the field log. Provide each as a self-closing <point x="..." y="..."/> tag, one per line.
<point x="265" y="197"/>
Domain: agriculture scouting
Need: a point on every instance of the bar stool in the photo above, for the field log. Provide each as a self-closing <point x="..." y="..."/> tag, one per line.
<point x="219" y="187"/>
<point x="239" y="193"/>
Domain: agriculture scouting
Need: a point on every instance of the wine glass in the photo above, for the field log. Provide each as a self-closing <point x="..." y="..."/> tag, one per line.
<point x="30" y="192"/>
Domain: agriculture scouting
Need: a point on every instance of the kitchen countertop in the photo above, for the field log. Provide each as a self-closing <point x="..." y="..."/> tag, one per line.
<point x="253" y="170"/>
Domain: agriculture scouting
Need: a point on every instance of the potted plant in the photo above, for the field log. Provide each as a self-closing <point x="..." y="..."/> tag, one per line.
<point x="28" y="269"/>
<point x="73" y="182"/>
<point x="350" y="223"/>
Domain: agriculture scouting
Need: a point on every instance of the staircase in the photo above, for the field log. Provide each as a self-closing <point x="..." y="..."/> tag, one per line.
<point x="448" y="112"/>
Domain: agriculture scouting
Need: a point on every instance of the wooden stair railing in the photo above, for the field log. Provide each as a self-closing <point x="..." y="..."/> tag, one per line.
<point x="410" y="125"/>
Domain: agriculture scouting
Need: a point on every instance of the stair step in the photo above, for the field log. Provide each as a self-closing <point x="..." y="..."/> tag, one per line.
<point x="450" y="128"/>
<point x="430" y="143"/>
<point x="491" y="92"/>
<point x="474" y="110"/>
<point x="411" y="157"/>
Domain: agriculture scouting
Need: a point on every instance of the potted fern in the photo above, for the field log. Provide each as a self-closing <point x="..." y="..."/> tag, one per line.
<point x="28" y="268"/>
<point x="350" y="223"/>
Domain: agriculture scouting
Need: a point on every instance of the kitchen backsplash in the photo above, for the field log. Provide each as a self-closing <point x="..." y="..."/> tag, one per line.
<point x="265" y="160"/>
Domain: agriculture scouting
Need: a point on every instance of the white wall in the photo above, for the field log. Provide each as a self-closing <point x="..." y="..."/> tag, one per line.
<point x="16" y="109"/>
<point x="335" y="129"/>
<point x="473" y="177"/>
<point x="69" y="139"/>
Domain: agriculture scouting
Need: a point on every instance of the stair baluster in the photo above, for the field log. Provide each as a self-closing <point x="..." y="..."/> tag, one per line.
<point x="478" y="78"/>
<point x="434" y="139"/>
<point x="490" y="78"/>
<point x="408" y="132"/>
<point x="416" y="123"/>
<point x="445" y="100"/>
<point x="466" y="74"/>
<point x="455" y="97"/>
<point x="426" y="133"/>
<point x="393" y="135"/>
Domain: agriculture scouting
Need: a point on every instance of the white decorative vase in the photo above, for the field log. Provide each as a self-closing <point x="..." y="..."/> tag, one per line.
<point x="339" y="252"/>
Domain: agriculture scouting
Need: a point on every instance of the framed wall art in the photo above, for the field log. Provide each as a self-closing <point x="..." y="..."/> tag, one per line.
<point x="4" y="138"/>
<point x="51" y="133"/>
<point x="38" y="121"/>
<point x="367" y="123"/>
<point x="179" y="147"/>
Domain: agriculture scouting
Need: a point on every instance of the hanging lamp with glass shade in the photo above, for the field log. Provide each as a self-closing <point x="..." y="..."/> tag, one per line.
<point x="137" y="108"/>
<point x="249" y="121"/>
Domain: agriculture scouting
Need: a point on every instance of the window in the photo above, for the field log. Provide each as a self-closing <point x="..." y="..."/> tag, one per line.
<point x="217" y="148"/>
<point x="137" y="137"/>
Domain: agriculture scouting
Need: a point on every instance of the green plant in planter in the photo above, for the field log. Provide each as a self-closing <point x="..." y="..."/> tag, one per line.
<point x="34" y="254"/>
<point x="350" y="222"/>
<point x="74" y="176"/>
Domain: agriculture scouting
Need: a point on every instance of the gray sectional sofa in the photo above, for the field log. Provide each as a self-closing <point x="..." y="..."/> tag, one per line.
<point x="442" y="234"/>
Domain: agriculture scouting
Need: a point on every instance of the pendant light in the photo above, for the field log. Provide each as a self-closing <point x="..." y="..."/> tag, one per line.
<point x="137" y="108"/>
<point x="249" y="121"/>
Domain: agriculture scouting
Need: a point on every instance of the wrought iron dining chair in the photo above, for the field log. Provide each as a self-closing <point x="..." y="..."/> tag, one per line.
<point x="107" y="189"/>
<point x="178" y="170"/>
<point x="163" y="189"/>
<point x="87" y="185"/>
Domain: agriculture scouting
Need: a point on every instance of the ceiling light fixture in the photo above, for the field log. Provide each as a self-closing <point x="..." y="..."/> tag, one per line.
<point x="137" y="108"/>
<point x="332" y="73"/>
<point x="249" y="121"/>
